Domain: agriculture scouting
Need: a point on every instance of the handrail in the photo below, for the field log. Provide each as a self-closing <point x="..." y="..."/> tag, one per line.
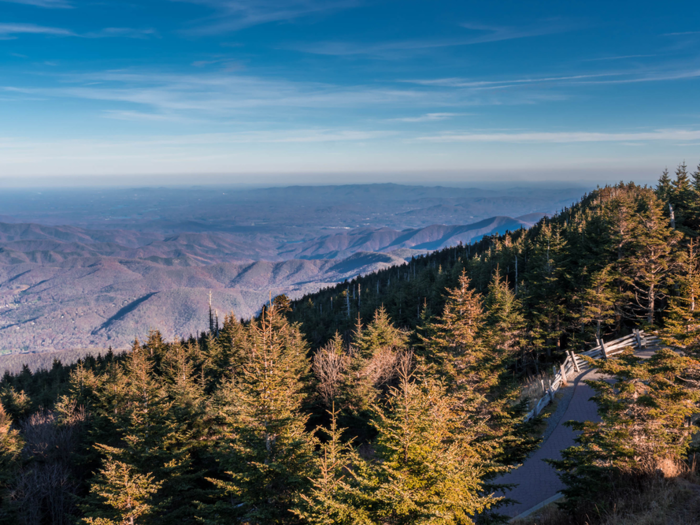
<point x="638" y="339"/>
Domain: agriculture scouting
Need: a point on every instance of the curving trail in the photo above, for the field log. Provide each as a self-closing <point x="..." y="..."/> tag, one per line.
<point x="537" y="482"/>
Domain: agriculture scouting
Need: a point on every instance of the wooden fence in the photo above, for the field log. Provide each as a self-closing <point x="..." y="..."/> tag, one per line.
<point x="573" y="363"/>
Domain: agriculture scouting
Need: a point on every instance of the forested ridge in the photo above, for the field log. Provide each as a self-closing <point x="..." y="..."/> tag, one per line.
<point x="396" y="398"/>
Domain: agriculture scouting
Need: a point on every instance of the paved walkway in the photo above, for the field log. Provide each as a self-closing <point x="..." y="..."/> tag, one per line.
<point x="536" y="480"/>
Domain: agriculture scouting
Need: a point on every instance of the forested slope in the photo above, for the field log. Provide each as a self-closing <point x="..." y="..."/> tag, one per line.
<point x="394" y="398"/>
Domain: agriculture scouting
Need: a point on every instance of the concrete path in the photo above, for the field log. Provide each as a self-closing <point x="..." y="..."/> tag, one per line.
<point x="536" y="480"/>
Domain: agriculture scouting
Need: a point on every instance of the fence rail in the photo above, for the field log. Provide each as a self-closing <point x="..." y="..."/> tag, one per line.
<point x="638" y="339"/>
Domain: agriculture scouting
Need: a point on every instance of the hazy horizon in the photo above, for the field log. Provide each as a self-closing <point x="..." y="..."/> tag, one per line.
<point x="303" y="91"/>
<point x="458" y="179"/>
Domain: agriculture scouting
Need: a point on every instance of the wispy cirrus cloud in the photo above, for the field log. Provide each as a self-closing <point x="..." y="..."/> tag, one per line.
<point x="568" y="136"/>
<point x="50" y="4"/>
<point x="658" y="73"/>
<point x="13" y="30"/>
<point x="122" y="32"/>
<point x="428" y="117"/>
<point x="8" y="31"/>
<point x="398" y="48"/>
<point x="620" y="57"/>
<point x="284" y="136"/>
<point x="234" y="15"/>
<point x="218" y="94"/>
<point x="467" y="83"/>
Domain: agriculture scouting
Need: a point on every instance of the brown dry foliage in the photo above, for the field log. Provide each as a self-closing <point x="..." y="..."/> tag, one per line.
<point x="329" y="366"/>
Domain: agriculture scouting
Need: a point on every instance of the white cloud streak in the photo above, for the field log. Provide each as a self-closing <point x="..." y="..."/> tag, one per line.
<point x="50" y="4"/>
<point x="398" y="48"/>
<point x="428" y="117"/>
<point x="567" y="137"/>
<point x="12" y="30"/>
<point x="234" y="15"/>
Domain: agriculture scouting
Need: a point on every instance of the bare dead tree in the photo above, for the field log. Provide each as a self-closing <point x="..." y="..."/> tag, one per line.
<point x="329" y="366"/>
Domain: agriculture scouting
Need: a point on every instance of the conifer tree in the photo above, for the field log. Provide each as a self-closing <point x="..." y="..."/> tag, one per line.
<point x="425" y="469"/>
<point x="652" y="258"/>
<point x="682" y="198"/>
<point x="598" y="302"/>
<point x="371" y="364"/>
<point x="264" y="447"/>
<point x="147" y="437"/>
<point x="682" y="326"/>
<point x="17" y="405"/>
<point x="644" y="426"/>
<point x="506" y="323"/>
<point x="664" y="187"/>
<point x="379" y="334"/>
<point x="225" y="353"/>
<point x="456" y="343"/>
<point x="10" y="460"/>
<point x="335" y="497"/>
<point x="123" y="496"/>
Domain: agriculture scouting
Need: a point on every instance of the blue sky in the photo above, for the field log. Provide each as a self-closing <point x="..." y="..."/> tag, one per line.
<point x="347" y="90"/>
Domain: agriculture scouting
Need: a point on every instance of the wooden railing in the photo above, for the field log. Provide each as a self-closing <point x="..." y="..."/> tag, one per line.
<point x="572" y="363"/>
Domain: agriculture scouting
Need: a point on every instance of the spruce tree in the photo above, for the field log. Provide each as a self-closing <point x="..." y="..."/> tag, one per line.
<point x="664" y="187"/>
<point x="682" y="325"/>
<point x="644" y="426"/>
<point x="122" y="496"/>
<point x="10" y="461"/>
<point x="456" y="345"/>
<point x="598" y="302"/>
<point x="263" y="447"/>
<point x="425" y="469"/>
<point x="370" y="367"/>
<point x="648" y="268"/>
<point x="506" y="324"/>
<point x="336" y="496"/>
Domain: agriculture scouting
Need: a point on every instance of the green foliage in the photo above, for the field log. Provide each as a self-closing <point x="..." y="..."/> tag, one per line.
<point x="598" y="301"/>
<point x="10" y="460"/>
<point x="644" y="427"/>
<point x="425" y="469"/>
<point x="264" y="447"/>
<point x="423" y="362"/>
<point x="683" y="322"/>
<point x="124" y="496"/>
<point x="335" y="496"/>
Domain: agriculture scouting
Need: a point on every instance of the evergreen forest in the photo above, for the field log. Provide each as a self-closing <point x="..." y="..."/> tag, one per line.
<point x="395" y="398"/>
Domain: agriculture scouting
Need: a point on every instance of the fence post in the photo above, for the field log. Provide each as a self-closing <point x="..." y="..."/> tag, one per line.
<point x="602" y="346"/>
<point x="573" y="359"/>
<point x="562" y="370"/>
<point x="638" y="337"/>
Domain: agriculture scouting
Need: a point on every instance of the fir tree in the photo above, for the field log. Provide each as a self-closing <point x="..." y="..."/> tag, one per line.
<point x="644" y="425"/>
<point x="10" y="461"/>
<point x="335" y="497"/>
<point x="664" y="187"/>
<point x="598" y="302"/>
<point x="682" y="326"/>
<point x="264" y="447"/>
<point x="456" y="336"/>
<point x="425" y="470"/>
<point x="506" y="323"/>
<point x="650" y="263"/>
<point x="123" y="496"/>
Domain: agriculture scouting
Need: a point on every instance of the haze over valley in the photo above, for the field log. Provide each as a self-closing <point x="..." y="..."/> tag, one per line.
<point x="93" y="269"/>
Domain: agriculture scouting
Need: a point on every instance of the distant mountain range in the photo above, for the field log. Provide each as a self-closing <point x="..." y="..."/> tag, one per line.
<point x="92" y="268"/>
<point x="64" y="287"/>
